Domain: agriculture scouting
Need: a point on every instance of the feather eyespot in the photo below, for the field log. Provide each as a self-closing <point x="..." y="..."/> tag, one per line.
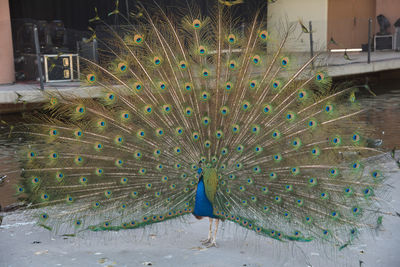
<point x="256" y="59"/>
<point x="258" y="149"/>
<point x="356" y="211"/>
<point x="138" y="38"/>
<point x="205" y="96"/>
<point x="295" y="170"/>
<point x="232" y="64"/>
<point x="253" y="84"/>
<point x="118" y="139"/>
<point x="263" y="35"/>
<point x="276" y="84"/>
<point x="195" y="136"/>
<point x="231" y="38"/>
<point x="277" y="158"/>
<point x="188" y="87"/>
<point x="256" y="169"/>
<point x="376" y="174"/>
<point x="264" y="190"/>
<point x="148" y="109"/>
<point x="166" y="108"/>
<point x="159" y="132"/>
<point x="315" y="151"/>
<point x="53" y="101"/>
<point x="224" y="110"/>
<point x="202" y="50"/>
<point x="235" y="128"/>
<point x="35" y="180"/>
<point x="91" y="78"/>
<point x="276" y="134"/>
<point x="122" y="67"/>
<point x="312" y="124"/>
<point x="183" y="64"/>
<point x="157" y="61"/>
<point x="99" y="171"/>
<point x="45" y="197"/>
<point x="356" y="138"/>
<point x="240" y="148"/>
<point x="300" y="202"/>
<point x="119" y="162"/>
<point x="302" y="95"/>
<point x="219" y="134"/>
<point x="284" y="62"/>
<point x="162" y="86"/>
<point x="188" y="111"/>
<point x="177" y="150"/>
<point x="137" y="86"/>
<point x="69" y="199"/>
<point x="80" y="109"/>
<point x="319" y="76"/>
<point x="267" y="109"/>
<point x="246" y="105"/>
<point x="196" y="24"/>
<point x="44" y="216"/>
<point x="255" y="129"/>
<point x="206" y="121"/>
<point x="53" y="132"/>
<point x="290" y="116"/>
<point x="179" y="131"/>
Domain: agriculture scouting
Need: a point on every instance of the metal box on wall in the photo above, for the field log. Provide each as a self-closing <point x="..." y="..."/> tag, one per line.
<point x="61" y="68"/>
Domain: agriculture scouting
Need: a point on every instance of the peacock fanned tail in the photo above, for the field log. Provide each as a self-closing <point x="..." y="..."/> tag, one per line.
<point x="287" y="147"/>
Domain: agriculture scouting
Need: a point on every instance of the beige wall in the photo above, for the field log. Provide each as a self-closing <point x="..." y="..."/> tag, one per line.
<point x="306" y="10"/>
<point x="6" y="48"/>
<point x="348" y="22"/>
<point x="390" y="9"/>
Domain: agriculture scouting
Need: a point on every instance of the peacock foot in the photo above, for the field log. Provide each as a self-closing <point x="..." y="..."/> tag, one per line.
<point x="206" y="241"/>
<point x="211" y="244"/>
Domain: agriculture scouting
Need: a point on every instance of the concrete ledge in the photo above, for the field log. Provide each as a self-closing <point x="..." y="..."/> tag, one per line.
<point x="335" y="63"/>
<point x="380" y="61"/>
<point x="31" y="93"/>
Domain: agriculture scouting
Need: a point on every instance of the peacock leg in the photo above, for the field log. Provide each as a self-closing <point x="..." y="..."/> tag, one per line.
<point x="208" y="240"/>
<point x="213" y="242"/>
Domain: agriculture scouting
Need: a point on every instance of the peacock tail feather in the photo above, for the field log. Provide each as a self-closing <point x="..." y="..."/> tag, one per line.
<point x="283" y="150"/>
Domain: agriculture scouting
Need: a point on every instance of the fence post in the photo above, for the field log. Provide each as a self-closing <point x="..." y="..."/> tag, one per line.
<point x="94" y="51"/>
<point x="311" y="44"/>
<point x="39" y="63"/>
<point x="369" y="39"/>
<point x="127" y="11"/>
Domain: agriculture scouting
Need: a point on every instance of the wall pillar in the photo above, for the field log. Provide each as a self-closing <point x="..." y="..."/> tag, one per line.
<point x="7" y="74"/>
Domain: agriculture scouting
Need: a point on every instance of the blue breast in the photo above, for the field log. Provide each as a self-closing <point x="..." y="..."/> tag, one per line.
<point x="202" y="206"/>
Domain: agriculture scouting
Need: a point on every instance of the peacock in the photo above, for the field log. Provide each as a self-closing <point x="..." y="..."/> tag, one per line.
<point x="201" y="115"/>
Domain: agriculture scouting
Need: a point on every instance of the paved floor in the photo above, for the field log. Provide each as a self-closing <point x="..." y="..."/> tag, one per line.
<point x="175" y="243"/>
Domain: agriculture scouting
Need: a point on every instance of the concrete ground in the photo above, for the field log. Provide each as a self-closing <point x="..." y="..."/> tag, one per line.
<point x="176" y="243"/>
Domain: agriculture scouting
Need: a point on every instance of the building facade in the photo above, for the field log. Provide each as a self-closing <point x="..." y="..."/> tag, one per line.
<point x="343" y="21"/>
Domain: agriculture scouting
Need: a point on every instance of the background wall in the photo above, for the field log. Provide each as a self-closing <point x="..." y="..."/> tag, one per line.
<point x="348" y="22"/>
<point x="306" y="10"/>
<point x="390" y="9"/>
